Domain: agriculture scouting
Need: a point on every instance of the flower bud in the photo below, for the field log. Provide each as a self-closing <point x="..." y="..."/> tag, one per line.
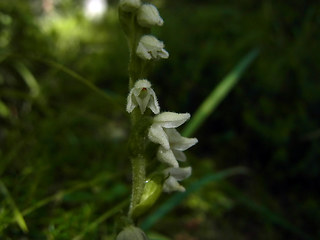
<point x="132" y="233"/>
<point x="151" y="48"/>
<point x="129" y="5"/>
<point x="151" y="192"/>
<point x="148" y="16"/>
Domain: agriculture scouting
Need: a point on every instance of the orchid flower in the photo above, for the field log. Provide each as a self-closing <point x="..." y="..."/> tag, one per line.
<point x="173" y="176"/>
<point x="150" y="47"/>
<point x="142" y="95"/>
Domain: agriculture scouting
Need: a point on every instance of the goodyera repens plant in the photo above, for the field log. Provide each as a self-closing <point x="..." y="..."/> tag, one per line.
<point x="153" y="133"/>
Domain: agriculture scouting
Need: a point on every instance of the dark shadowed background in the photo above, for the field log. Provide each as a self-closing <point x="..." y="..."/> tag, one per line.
<point x="63" y="162"/>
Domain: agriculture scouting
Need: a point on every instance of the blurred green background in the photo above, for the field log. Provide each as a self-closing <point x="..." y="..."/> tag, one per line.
<point x="63" y="125"/>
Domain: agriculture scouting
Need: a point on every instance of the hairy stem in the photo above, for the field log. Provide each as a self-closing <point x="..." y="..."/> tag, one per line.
<point x="139" y="125"/>
<point x="138" y="180"/>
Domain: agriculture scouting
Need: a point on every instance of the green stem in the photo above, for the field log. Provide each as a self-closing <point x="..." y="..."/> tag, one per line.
<point x="137" y="151"/>
<point x="140" y="123"/>
<point x="138" y="180"/>
<point x="136" y="141"/>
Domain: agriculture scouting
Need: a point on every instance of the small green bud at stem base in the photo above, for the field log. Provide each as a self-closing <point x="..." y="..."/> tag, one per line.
<point x="151" y="192"/>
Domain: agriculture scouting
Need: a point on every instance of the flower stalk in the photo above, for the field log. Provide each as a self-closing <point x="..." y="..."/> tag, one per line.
<point x="149" y="127"/>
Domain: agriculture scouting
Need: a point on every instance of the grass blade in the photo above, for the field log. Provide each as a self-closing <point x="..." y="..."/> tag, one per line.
<point x="218" y="94"/>
<point x="29" y="79"/>
<point x="60" y="194"/>
<point x="108" y="95"/>
<point x="177" y="198"/>
<point x="16" y="212"/>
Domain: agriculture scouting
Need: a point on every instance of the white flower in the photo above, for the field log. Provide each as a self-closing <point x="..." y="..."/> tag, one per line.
<point x="129" y="5"/>
<point x="174" y="175"/>
<point x="150" y="47"/>
<point x="148" y="16"/>
<point x="142" y="95"/>
<point x="178" y="144"/>
<point x="165" y="120"/>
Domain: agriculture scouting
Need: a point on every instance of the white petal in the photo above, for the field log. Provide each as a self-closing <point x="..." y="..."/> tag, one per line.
<point x="136" y="91"/>
<point x="142" y="83"/>
<point x="151" y="42"/>
<point x="142" y="52"/>
<point x="171" y="184"/>
<point x="167" y="156"/>
<point x="171" y="119"/>
<point x="157" y="135"/>
<point x="178" y="142"/>
<point x="179" y="155"/>
<point x="163" y="54"/>
<point x="130" y="103"/>
<point x="178" y="173"/>
<point x="153" y="102"/>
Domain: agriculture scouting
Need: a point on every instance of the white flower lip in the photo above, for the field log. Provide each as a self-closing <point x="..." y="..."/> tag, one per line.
<point x="171" y="184"/>
<point x="148" y="16"/>
<point x="142" y="95"/>
<point x="178" y="142"/>
<point x="174" y="175"/>
<point x="150" y="47"/>
<point x="129" y="5"/>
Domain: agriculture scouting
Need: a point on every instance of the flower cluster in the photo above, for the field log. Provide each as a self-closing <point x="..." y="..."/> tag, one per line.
<point x="149" y="47"/>
<point x="163" y="129"/>
<point x="163" y="132"/>
<point x="171" y="148"/>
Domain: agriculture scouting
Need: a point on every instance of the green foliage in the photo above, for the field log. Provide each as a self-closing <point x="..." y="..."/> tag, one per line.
<point x="218" y="94"/>
<point x="63" y="160"/>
